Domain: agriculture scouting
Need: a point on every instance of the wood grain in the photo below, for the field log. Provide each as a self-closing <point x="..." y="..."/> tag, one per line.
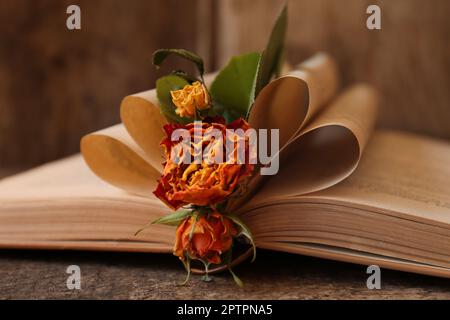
<point x="57" y="85"/>
<point x="407" y="60"/>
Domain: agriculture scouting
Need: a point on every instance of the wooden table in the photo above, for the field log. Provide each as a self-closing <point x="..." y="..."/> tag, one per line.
<point x="274" y="275"/>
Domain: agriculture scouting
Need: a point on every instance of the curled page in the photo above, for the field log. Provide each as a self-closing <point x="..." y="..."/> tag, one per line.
<point x="144" y="122"/>
<point x="321" y="146"/>
<point x="113" y="156"/>
<point x="129" y="155"/>
<point x="135" y="146"/>
<point x="328" y="149"/>
<point x="289" y="102"/>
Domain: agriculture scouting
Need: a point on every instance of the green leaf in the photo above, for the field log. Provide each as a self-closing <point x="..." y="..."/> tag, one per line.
<point x="163" y="87"/>
<point x="173" y="219"/>
<point x="189" y="78"/>
<point x="206" y="276"/>
<point x="245" y="231"/>
<point x="160" y="55"/>
<point x="236" y="279"/>
<point x="219" y="110"/>
<point x="228" y="258"/>
<point x="273" y="53"/>
<point x="187" y="266"/>
<point x="234" y="86"/>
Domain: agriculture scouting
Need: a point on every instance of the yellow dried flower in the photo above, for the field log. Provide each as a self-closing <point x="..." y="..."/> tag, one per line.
<point x="190" y="99"/>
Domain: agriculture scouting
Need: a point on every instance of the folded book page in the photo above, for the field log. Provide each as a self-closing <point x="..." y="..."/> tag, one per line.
<point x="287" y="103"/>
<point x="129" y="155"/>
<point x="112" y="155"/>
<point x="327" y="149"/>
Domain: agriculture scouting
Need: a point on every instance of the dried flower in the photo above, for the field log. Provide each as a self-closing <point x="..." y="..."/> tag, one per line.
<point x="204" y="237"/>
<point x="190" y="99"/>
<point x="205" y="183"/>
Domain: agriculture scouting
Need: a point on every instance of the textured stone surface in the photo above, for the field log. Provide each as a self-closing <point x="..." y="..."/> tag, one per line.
<point x="41" y="275"/>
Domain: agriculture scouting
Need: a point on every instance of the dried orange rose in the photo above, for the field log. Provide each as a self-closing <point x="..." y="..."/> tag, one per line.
<point x="205" y="183"/>
<point x="205" y="238"/>
<point x="190" y="99"/>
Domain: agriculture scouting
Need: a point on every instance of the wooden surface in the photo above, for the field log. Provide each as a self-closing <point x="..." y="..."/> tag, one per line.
<point x="57" y="85"/>
<point x="42" y="275"/>
<point x="274" y="275"/>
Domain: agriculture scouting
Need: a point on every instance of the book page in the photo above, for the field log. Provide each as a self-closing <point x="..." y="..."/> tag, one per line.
<point x="402" y="173"/>
<point x="129" y="155"/>
<point x="114" y="157"/>
<point x="144" y="122"/>
<point x="328" y="149"/>
<point x="358" y="257"/>
<point x="61" y="179"/>
<point x="63" y="205"/>
<point x="289" y="102"/>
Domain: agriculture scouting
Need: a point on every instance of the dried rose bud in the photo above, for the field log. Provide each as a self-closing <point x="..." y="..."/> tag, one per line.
<point x="204" y="238"/>
<point x="190" y="99"/>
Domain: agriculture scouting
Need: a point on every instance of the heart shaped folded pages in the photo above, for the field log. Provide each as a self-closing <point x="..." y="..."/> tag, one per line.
<point x="324" y="140"/>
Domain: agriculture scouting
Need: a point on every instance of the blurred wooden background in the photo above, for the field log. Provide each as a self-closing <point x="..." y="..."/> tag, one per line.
<point x="56" y="84"/>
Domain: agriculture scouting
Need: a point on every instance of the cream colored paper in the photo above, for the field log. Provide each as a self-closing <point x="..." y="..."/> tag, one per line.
<point x="289" y="102"/>
<point x="144" y="122"/>
<point x="328" y="149"/>
<point x="129" y="156"/>
<point x="115" y="158"/>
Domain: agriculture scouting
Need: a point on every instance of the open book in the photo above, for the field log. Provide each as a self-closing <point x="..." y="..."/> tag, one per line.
<point x="343" y="191"/>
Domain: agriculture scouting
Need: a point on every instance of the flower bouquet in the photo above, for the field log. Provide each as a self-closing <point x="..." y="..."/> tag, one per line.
<point x="213" y="158"/>
<point x="209" y="156"/>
